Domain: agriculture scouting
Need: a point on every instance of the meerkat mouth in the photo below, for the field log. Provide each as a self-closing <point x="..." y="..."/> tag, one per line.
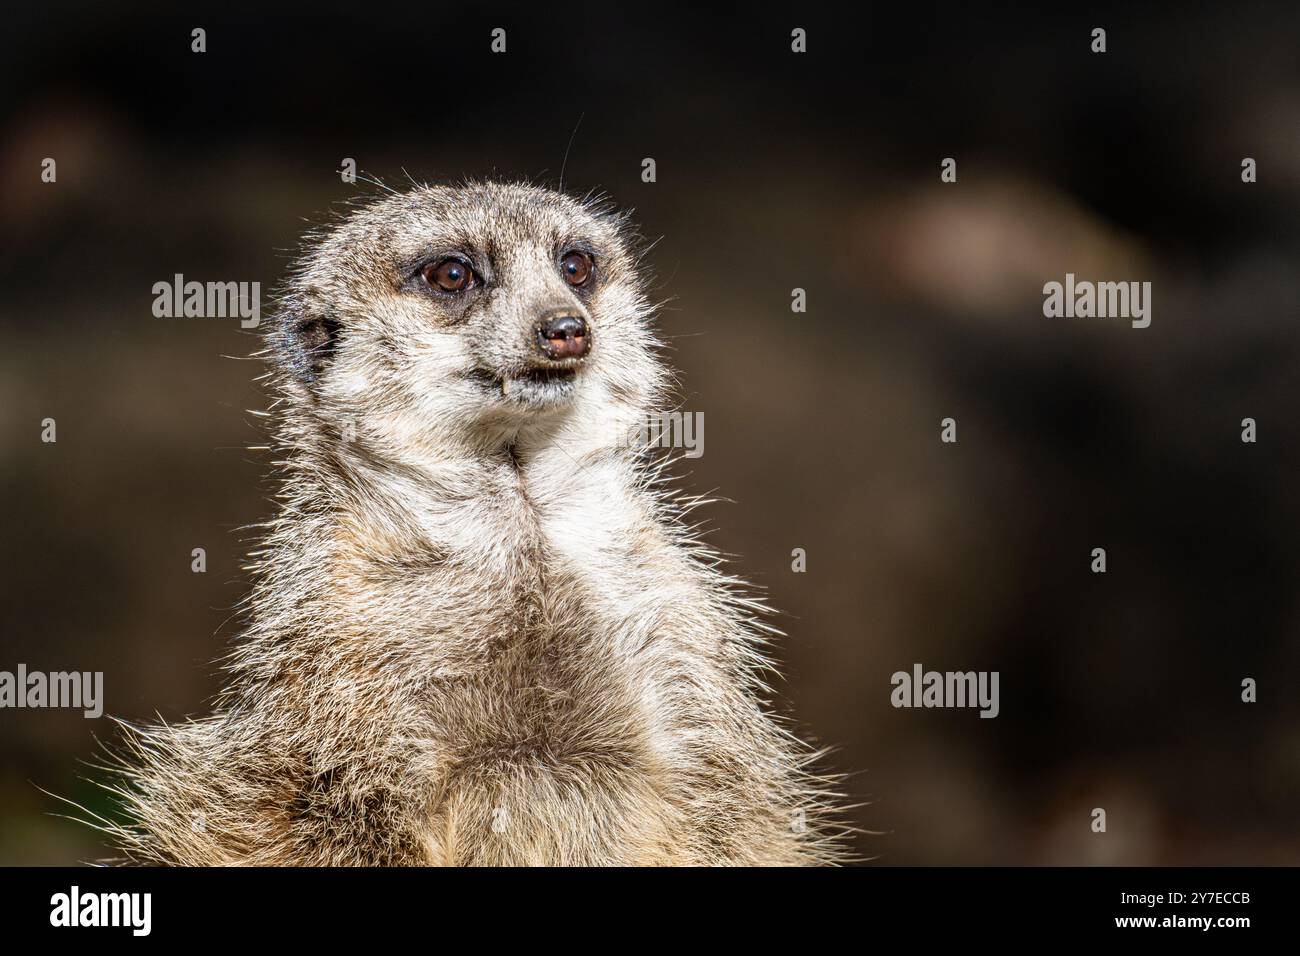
<point x="539" y="384"/>
<point x="544" y="376"/>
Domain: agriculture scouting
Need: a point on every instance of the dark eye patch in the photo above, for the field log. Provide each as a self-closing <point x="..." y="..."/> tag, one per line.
<point x="453" y="274"/>
<point x="421" y="270"/>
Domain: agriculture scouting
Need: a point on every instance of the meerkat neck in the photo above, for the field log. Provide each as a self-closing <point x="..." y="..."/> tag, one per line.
<point x="479" y="500"/>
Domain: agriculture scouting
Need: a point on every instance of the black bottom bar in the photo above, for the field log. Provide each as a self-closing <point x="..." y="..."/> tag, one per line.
<point x="1227" y="906"/>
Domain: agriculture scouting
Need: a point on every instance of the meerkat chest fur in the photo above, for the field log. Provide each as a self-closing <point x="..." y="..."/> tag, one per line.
<point x="543" y="628"/>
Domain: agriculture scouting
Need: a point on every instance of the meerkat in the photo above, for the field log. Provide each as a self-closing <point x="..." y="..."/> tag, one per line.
<point x="479" y="631"/>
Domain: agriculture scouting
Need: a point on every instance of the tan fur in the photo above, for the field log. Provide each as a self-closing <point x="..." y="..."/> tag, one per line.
<point x="480" y="632"/>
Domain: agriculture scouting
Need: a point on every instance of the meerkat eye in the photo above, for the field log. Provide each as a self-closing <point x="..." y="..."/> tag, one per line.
<point x="449" y="275"/>
<point x="576" y="267"/>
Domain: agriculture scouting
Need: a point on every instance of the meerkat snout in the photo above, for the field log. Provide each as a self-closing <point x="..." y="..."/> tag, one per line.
<point x="563" y="335"/>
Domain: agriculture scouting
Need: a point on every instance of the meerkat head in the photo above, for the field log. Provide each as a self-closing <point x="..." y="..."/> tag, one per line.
<point x="469" y="316"/>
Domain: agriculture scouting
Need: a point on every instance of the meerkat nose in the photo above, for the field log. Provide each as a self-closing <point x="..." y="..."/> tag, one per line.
<point x="563" y="335"/>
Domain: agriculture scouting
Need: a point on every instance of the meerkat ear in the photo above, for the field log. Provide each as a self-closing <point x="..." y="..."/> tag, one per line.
<point x="305" y="341"/>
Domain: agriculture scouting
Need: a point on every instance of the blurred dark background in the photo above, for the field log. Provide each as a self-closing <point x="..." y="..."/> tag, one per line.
<point x="775" y="170"/>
